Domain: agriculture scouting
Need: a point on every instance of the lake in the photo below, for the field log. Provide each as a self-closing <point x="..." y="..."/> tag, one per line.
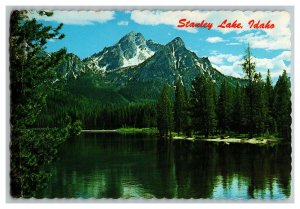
<point x="135" y="166"/>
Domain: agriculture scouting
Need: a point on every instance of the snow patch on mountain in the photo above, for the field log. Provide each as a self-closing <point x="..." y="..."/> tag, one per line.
<point x="131" y="50"/>
<point x="140" y="56"/>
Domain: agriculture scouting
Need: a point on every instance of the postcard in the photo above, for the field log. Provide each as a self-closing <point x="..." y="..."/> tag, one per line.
<point x="151" y="104"/>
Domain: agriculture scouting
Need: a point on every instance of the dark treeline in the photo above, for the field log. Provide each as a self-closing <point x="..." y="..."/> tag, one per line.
<point x="95" y="115"/>
<point x="257" y="108"/>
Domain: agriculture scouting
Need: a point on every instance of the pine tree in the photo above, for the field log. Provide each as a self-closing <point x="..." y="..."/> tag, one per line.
<point x="203" y="105"/>
<point x="259" y="105"/>
<point x="224" y="107"/>
<point x="283" y="106"/>
<point x="269" y="96"/>
<point x="239" y="119"/>
<point x="186" y="120"/>
<point x="179" y="105"/>
<point x="164" y="113"/>
<point x="32" y="77"/>
<point x="32" y="71"/>
<point x="249" y="70"/>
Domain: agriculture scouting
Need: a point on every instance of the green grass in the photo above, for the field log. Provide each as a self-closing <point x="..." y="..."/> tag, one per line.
<point x="137" y="130"/>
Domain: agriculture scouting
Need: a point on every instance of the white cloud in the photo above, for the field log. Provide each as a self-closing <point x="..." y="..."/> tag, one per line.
<point x="276" y="64"/>
<point x="215" y="39"/>
<point x="76" y="17"/>
<point x="123" y="23"/>
<point x="264" y="41"/>
<point x="231" y="70"/>
<point x="222" y="58"/>
<point x="276" y="38"/>
<point x="233" y="44"/>
<point x="285" y="55"/>
<point x="270" y="39"/>
<point x="155" y="17"/>
<point x="227" y="64"/>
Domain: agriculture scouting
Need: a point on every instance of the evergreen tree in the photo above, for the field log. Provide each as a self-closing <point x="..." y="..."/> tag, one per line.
<point x="164" y="113"/>
<point x="283" y="106"/>
<point x="224" y="107"/>
<point x="32" y="77"/>
<point x="186" y="120"/>
<point x="238" y="110"/>
<point x="249" y="70"/>
<point x="203" y="105"/>
<point x="179" y="105"/>
<point x="269" y="96"/>
<point x="32" y="71"/>
<point x="259" y="105"/>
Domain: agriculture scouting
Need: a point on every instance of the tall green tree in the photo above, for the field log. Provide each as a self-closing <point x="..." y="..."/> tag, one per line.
<point x="224" y="107"/>
<point x="203" y="105"/>
<point x="250" y="72"/>
<point x="164" y="113"/>
<point x="259" y="105"/>
<point x="283" y="106"/>
<point x="179" y="105"/>
<point x="269" y="96"/>
<point x="32" y="75"/>
<point x="186" y="120"/>
<point x="238" y="116"/>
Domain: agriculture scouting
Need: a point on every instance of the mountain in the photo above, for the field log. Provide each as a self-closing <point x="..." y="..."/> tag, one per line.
<point x="135" y="69"/>
<point x="131" y="50"/>
<point x="170" y="62"/>
<point x="72" y="66"/>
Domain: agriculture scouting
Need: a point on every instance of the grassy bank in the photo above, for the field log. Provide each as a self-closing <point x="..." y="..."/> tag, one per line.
<point x="150" y="131"/>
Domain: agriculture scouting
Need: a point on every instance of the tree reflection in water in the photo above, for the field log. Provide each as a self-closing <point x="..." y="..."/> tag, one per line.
<point x="120" y="166"/>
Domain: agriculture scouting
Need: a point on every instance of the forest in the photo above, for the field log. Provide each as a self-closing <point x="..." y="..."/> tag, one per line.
<point x="256" y="107"/>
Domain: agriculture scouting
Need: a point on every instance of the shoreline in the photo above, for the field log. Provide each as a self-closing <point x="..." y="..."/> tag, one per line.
<point x="261" y="141"/>
<point x="99" y="131"/>
<point x="229" y="140"/>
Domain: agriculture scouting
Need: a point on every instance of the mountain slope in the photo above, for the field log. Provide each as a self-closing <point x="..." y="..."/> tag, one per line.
<point x="72" y="66"/>
<point x="131" y="50"/>
<point x="135" y="69"/>
<point x="165" y="66"/>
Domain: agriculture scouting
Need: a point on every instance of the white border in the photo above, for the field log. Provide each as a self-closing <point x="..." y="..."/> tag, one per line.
<point x="3" y="85"/>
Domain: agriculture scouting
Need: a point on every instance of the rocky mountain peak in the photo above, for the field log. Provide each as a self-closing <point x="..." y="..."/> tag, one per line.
<point x="127" y="37"/>
<point x="139" y="39"/>
<point x="132" y="38"/>
<point x="130" y="50"/>
<point x="176" y="42"/>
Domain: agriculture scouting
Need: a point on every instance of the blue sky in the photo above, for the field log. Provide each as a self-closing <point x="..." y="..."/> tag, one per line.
<point x="88" y="32"/>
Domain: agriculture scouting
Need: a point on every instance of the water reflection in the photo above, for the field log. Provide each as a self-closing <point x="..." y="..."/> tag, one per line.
<point x="114" y="166"/>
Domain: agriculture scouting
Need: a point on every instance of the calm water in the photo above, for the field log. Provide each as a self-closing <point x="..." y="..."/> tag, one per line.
<point x="118" y="166"/>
